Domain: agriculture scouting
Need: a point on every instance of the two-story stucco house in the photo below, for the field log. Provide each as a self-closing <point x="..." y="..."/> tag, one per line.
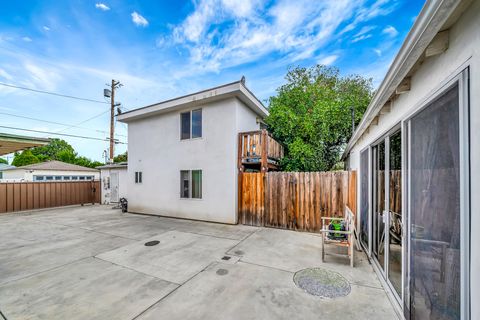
<point x="182" y="153"/>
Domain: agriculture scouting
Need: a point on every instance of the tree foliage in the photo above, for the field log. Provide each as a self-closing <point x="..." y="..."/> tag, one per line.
<point x="311" y="115"/>
<point x="56" y="149"/>
<point x="3" y="161"/>
<point x="121" y="157"/>
<point x="24" y="159"/>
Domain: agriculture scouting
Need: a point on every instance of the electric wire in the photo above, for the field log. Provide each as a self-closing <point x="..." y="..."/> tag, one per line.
<point x="52" y="93"/>
<point x="62" y="134"/>
<point x="57" y="123"/>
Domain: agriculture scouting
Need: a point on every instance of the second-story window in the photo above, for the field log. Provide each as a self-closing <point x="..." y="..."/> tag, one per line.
<point x="191" y="124"/>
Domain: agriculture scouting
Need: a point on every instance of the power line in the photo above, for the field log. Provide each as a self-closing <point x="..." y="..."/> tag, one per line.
<point x="52" y="93"/>
<point x="82" y="122"/>
<point x="57" y="123"/>
<point x="61" y="134"/>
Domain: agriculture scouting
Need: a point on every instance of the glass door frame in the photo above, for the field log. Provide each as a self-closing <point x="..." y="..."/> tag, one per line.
<point x="384" y="272"/>
<point x="462" y="79"/>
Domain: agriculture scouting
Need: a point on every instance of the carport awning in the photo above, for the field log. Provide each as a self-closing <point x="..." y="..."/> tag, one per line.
<point x="11" y="143"/>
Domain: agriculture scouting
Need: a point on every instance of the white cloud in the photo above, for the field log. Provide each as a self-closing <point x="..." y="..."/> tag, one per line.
<point x="365" y="29"/>
<point x="362" y="37"/>
<point x="102" y="6"/>
<point x="139" y="20"/>
<point x="240" y="8"/>
<point x="42" y="77"/>
<point x="5" y="75"/>
<point x="328" y="60"/>
<point x="27" y="39"/>
<point x="378" y="52"/>
<point x="391" y="31"/>
<point x="216" y="36"/>
<point x="46" y="28"/>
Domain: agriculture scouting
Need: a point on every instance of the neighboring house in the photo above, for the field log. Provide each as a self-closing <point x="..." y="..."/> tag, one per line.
<point x="3" y="167"/>
<point x="114" y="182"/>
<point x="182" y="153"/>
<point x="51" y="171"/>
<point x="417" y="154"/>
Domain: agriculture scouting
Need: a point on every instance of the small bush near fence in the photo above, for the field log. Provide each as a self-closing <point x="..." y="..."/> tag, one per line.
<point x="295" y="200"/>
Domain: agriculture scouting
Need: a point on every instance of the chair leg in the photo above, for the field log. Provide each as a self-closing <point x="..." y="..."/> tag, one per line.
<point x="323" y="249"/>
<point x="352" y="253"/>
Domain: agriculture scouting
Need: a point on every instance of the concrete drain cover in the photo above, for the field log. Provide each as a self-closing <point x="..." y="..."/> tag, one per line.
<point x="322" y="283"/>
<point x="222" y="272"/>
<point x="152" y="243"/>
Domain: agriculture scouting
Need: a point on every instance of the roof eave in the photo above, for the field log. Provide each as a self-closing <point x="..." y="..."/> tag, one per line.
<point x="429" y="22"/>
<point x="234" y="89"/>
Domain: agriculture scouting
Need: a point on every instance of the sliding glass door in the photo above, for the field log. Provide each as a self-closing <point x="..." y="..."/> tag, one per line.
<point x="378" y="224"/>
<point x="395" y="217"/>
<point x="364" y="202"/>
<point x="434" y="205"/>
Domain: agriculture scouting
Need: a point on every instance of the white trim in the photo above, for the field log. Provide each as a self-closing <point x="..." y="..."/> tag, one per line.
<point x="195" y="100"/>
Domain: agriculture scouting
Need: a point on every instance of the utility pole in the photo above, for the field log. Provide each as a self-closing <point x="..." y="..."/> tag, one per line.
<point x="114" y="85"/>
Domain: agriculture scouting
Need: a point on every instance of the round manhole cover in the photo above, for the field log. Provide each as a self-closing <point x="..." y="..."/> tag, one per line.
<point x="321" y="282"/>
<point x="222" y="272"/>
<point x="152" y="243"/>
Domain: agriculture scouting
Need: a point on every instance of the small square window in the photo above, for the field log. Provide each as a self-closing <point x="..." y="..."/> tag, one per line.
<point x="138" y="177"/>
<point x="66" y="177"/>
<point x="58" y="177"/>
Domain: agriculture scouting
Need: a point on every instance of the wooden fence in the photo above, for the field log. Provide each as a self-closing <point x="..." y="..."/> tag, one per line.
<point x="295" y="200"/>
<point x="19" y="196"/>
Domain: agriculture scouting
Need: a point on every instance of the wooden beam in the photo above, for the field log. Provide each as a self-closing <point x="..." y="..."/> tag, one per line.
<point x="439" y="44"/>
<point x="386" y="108"/>
<point x="239" y="155"/>
<point x="264" y="146"/>
<point x="404" y="86"/>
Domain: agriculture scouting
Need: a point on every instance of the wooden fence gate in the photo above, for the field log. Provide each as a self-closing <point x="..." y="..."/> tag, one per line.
<point x="19" y="196"/>
<point x="295" y="200"/>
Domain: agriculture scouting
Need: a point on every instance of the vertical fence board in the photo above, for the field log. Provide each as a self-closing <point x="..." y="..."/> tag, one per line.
<point x="294" y="200"/>
<point x="3" y="198"/>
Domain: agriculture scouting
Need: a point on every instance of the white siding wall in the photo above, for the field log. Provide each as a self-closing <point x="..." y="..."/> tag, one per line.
<point x="122" y="183"/>
<point x="464" y="47"/>
<point x="156" y="150"/>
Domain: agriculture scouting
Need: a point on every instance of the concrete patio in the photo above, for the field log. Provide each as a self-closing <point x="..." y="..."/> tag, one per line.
<point x="92" y="263"/>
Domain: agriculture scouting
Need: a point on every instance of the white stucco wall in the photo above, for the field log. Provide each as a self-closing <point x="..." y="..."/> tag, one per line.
<point x="156" y="150"/>
<point x="464" y="50"/>
<point x="27" y="175"/>
<point x="122" y="183"/>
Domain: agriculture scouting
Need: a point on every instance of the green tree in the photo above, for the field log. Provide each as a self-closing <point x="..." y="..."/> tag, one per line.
<point x="121" y="157"/>
<point x="3" y="161"/>
<point x="311" y="115"/>
<point x="66" y="155"/>
<point x="55" y="149"/>
<point x="24" y="158"/>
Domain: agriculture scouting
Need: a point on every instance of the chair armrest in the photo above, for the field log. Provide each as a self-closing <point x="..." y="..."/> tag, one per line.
<point x="332" y="218"/>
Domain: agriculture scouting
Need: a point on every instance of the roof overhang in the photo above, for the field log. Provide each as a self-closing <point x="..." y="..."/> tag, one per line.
<point x="10" y="143"/>
<point x="435" y="16"/>
<point x="234" y="89"/>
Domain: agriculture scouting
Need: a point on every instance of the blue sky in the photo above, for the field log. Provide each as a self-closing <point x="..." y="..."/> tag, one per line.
<point x="163" y="49"/>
